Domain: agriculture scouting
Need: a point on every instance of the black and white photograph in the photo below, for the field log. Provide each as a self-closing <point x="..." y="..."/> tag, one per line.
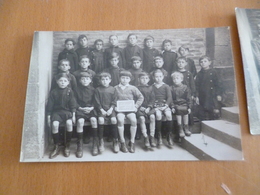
<point x="133" y="95"/>
<point x="248" y="21"/>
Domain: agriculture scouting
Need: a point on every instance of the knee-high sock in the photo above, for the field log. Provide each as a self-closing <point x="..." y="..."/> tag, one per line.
<point x="121" y="134"/>
<point x="133" y="133"/>
<point x="56" y="138"/>
<point x="114" y="131"/>
<point x="100" y="131"/>
<point x="68" y="136"/>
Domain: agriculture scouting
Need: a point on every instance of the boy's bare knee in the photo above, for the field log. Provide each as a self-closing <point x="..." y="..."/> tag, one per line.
<point x="168" y="116"/>
<point x="80" y="122"/>
<point x="101" y="120"/>
<point x="113" y="120"/>
<point x="55" y="126"/>
<point x="69" y="125"/>
<point x="158" y="115"/>
<point x="142" y="119"/>
<point x="152" y="117"/>
<point x="93" y="122"/>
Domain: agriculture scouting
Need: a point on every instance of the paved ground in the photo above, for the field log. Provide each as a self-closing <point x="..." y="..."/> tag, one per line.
<point x="162" y="154"/>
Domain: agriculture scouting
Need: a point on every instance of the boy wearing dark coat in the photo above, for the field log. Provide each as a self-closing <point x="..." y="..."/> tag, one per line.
<point x="69" y="54"/>
<point x="105" y="101"/>
<point x="149" y="54"/>
<point x="85" y="111"/>
<point x="98" y="57"/>
<point x="114" y="48"/>
<point x="209" y="90"/>
<point x="83" y="49"/>
<point x="169" y="56"/>
<point x="61" y="108"/>
<point x="132" y="49"/>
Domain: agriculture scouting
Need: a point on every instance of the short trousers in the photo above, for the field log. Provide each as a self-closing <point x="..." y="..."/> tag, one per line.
<point x="181" y="110"/>
<point x="61" y="116"/>
<point x="142" y="113"/>
<point x="80" y="114"/>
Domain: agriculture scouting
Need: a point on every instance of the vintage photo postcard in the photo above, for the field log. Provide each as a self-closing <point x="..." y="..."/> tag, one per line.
<point x="248" y="21"/>
<point x="133" y="95"/>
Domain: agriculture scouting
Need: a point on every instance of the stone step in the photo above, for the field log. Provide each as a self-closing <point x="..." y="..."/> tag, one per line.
<point x="223" y="131"/>
<point x="204" y="147"/>
<point x="230" y="114"/>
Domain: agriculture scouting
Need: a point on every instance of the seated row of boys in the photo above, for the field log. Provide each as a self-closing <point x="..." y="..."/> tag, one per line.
<point x="99" y="105"/>
<point x="100" y="59"/>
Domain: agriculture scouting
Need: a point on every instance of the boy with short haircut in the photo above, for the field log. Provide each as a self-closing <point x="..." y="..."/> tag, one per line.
<point x="69" y="54"/>
<point x="209" y="90"/>
<point x="114" y="48"/>
<point x="184" y="52"/>
<point x="85" y="111"/>
<point x="149" y="54"/>
<point x="146" y="111"/>
<point x="169" y="56"/>
<point x="158" y="65"/>
<point x="61" y="108"/>
<point x="64" y="67"/>
<point x="132" y="49"/>
<point x="84" y="63"/>
<point x="136" y="70"/>
<point x="181" y="104"/>
<point x="98" y="57"/>
<point x="128" y="92"/>
<point x="188" y="80"/>
<point x="114" y="70"/>
<point x="163" y="99"/>
<point x="83" y="46"/>
<point x="105" y="101"/>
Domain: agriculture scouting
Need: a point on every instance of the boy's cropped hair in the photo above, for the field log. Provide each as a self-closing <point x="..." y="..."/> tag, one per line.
<point x="84" y="74"/>
<point x="157" y="58"/>
<point x="113" y="55"/>
<point x="104" y="74"/>
<point x="81" y="37"/>
<point x="136" y="58"/>
<point x="149" y="37"/>
<point x="112" y="36"/>
<point x="205" y="57"/>
<point x="83" y="57"/>
<point x="177" y="74"/>
<point x="70" y="39"/>
<point x="166" y="41"/>
<point x="125" y="73"/>
<point x="131" y="34"/>
<point x="62" y="75"/>
<point x="98" y="40"/>
<point x="64" y="60"/>
<point x="181" y="58"/>
<point x="156" y="71"/>
<point x="184" y="47"/>
<point x="143" y="74"/>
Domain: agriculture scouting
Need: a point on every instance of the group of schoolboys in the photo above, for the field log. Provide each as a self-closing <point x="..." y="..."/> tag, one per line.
<point x="161" y="85"/>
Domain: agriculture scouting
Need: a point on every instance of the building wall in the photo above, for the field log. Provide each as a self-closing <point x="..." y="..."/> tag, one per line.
<point x="194" y="38"/>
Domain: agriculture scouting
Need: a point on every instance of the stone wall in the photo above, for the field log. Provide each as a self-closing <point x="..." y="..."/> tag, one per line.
<point x="194" y="38"/>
